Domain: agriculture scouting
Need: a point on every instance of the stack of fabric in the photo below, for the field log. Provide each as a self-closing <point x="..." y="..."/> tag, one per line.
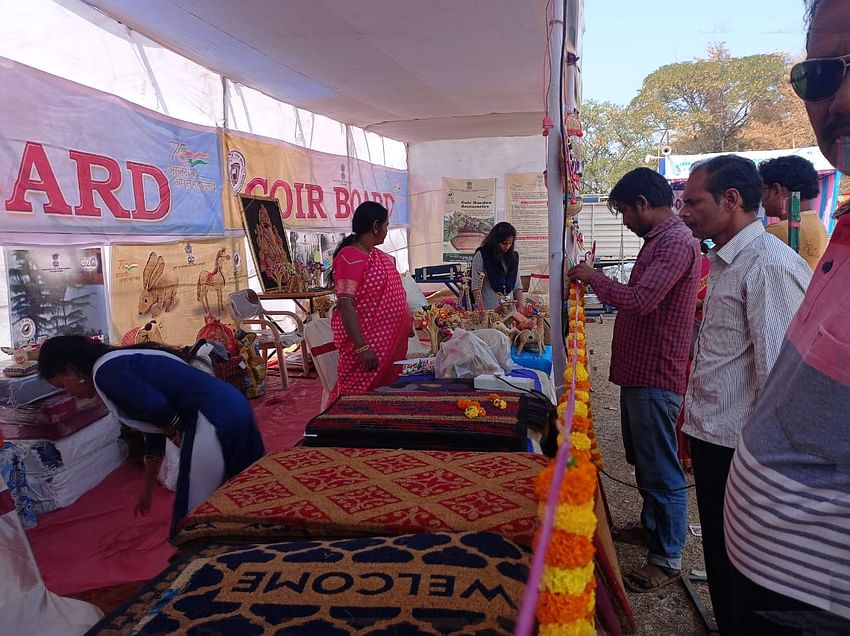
<point x="66" y="457"/>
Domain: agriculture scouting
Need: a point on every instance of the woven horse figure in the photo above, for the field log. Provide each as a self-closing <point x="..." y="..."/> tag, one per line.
<point x="215" y="280"/>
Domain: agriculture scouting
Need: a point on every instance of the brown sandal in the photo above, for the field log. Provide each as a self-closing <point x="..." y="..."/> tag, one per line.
<point x="650" y="578"/>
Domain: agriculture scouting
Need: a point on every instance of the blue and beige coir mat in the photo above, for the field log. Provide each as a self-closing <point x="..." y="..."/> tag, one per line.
<point x="438" y="583"/>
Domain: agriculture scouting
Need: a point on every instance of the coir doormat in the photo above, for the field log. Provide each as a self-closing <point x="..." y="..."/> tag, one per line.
<point x="427" y="421"/>
<point x="439" y="583"/>
<point x="346" y="492"/>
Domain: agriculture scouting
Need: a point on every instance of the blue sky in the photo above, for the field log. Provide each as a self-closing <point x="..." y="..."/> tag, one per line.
<point x="625" y="40"/>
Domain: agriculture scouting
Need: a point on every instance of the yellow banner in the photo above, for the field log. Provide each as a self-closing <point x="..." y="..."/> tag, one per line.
<point x="314" y="189"/>
<point x="167" y="289"/>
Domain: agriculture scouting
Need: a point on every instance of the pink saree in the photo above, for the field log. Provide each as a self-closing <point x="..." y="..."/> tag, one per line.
<point x="381" y="306"/>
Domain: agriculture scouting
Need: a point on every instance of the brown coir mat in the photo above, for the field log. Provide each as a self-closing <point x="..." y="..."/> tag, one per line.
<point x="345" y="492"/>
<point x="438" y="583"/>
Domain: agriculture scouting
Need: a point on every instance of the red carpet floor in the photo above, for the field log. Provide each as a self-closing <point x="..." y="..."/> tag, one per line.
<point x="98" y="542"/>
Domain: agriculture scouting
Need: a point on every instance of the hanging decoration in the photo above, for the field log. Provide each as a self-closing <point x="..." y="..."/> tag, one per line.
<point x="561" y="591"/>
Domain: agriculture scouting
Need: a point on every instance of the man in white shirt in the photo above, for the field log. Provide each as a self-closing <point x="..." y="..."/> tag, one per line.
<point x="788" y="495"/>
<point x="755" y="286"/>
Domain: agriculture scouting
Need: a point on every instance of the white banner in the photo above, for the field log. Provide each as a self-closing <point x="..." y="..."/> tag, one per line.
<point x="528" y="212"/>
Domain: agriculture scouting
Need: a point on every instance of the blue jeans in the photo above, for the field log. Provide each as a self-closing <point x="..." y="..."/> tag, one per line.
<point x="648" y="418"/>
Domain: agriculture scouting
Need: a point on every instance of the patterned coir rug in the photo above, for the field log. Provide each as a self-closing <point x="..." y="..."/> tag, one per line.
<point x="346" y="492"/>
<point x="441" y="583"/>
<point x="428" y="421"/>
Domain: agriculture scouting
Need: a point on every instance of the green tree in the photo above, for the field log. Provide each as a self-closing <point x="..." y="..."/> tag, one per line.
<point x="614" y="142"/>
<point x="781" y="124"/>
<point x="66" y="305"/>
<point x="27" y="292"/>
<point x="706" y="104"/>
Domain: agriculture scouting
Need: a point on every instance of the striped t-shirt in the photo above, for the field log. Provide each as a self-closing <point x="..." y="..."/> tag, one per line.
<point x="787" y="514"/>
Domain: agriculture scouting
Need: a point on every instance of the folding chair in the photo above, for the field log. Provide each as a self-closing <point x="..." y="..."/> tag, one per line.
<point x="250" y="315"/>
<point x="320" y="342"/>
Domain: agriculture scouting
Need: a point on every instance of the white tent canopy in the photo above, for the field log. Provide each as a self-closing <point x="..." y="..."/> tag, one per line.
<point x="411" y="70"/>
<point x="360" y="79"/>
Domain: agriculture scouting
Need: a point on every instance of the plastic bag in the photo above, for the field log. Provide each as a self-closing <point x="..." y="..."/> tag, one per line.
<point x="465" y="355"/>
<point x="415" y="298"/>
<point x="500" y="346"/>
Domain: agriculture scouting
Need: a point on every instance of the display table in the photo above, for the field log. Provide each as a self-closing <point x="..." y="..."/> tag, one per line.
<point x="299" y="297"/>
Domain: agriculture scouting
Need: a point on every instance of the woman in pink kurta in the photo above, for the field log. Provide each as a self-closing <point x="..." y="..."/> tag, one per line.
<point x="371" y="322"/>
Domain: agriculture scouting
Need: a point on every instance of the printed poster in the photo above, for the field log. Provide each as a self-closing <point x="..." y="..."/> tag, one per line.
<point x="56" y="291"/>
<point x="315" y="190"/>
<point x="528" y="211"/>
<point x="167" y="289"/>
<point x="74" y="160"/>
<point x="469" y="213"/>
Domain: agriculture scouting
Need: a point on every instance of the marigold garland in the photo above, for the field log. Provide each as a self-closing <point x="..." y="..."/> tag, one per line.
<point x="566" y="603"/>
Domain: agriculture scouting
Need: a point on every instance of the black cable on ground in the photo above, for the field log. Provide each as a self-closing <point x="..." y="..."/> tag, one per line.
<point x="636" y="487"/>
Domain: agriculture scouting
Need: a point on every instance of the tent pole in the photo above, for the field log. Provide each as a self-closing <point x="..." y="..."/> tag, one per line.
<point x="555" y="194"/>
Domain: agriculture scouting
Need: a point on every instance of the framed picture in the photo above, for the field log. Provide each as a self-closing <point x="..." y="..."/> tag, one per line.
<point x="267" y="238"/>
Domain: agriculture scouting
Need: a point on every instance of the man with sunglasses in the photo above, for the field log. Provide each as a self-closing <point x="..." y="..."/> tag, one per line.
<point x="755" y="284"/>
<point x="787" y="516"/>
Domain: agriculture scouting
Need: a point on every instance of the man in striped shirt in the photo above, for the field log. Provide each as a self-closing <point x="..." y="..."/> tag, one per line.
<point x="649" y="360"/>
<point x="788" y="496"/>
<point x="755" y="285"/>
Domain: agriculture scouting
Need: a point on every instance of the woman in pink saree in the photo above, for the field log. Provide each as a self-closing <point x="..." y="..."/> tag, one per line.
<point x="371" y="322"/>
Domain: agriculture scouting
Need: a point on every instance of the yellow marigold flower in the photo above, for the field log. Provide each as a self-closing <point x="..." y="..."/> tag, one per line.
<point x="577" y="628"/>
<point x="581" y="373"/>
<point x="571" y="581"/>
<point x="575" y="518"/>
<point x="580" y="441"/>
<point x="471" y="412"/>
<point x="580" y="410"/>
<point x="583" y="397"/>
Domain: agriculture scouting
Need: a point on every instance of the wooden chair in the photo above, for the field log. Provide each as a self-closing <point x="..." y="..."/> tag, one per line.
<point x="273" y="339"/>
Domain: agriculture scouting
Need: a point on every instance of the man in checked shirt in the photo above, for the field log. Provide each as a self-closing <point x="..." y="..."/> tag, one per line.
<point x="649" y="360"/>
<point x="755" y="286"/>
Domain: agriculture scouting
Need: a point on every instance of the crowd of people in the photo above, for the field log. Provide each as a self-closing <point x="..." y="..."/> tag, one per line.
<point x="765" y="407"/>
<point x="746" y="347"/>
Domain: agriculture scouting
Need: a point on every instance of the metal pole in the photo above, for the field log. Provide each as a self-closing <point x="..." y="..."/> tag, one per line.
<point x="794" y="223"/>
<point x="555" y="190"/>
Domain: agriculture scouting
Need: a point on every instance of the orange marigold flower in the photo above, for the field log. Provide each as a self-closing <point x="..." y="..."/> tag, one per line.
<point x="582" y="425"/>
<point x="567" y="550"/>
<point x="578" y="486"/>
<point x="563" y="608"/>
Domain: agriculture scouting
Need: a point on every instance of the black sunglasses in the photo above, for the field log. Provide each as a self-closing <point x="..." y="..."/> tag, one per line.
<point x="819" y="78"/>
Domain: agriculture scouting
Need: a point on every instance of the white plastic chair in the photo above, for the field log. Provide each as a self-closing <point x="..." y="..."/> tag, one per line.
<point x="320" y="342"/>
<point x="250" y="315"/>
